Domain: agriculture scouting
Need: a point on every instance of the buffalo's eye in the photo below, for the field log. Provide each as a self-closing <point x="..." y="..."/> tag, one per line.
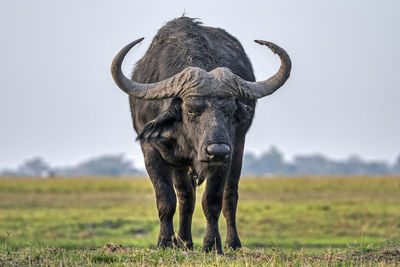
<point x="193" y="113"/>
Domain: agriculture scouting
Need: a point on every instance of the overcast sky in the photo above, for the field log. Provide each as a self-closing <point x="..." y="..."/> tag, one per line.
<point x="58" y="100"/>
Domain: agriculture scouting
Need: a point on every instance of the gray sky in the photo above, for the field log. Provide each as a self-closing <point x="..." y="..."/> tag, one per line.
<point x="58" y="100"/>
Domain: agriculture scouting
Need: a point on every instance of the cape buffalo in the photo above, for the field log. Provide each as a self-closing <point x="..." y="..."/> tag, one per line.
<point x="192" y="98"/>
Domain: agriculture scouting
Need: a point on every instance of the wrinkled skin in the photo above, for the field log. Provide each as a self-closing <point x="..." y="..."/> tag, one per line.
<point x="200" y="91"/>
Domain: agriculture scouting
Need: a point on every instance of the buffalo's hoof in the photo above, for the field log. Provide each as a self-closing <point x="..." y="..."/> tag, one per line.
<point x="167" y="242"/>
<point x="212" y="248"/>
<point x="233" y="244"/>
<point x="185" y="244"/>
<point x="212" y="245"/>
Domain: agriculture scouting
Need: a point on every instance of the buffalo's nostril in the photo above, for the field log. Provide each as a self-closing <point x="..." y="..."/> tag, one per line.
<point x="218" y="150"/>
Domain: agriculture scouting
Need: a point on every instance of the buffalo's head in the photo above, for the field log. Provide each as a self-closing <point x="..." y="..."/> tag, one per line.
<point x="208" y="103"/>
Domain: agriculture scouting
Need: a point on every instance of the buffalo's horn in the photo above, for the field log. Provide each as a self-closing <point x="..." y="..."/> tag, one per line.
<point x="157" y="90"/>
<point x="255" y="90"/>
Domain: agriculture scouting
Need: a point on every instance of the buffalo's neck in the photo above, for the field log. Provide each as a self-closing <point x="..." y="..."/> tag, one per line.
<point x="172" y="152"/>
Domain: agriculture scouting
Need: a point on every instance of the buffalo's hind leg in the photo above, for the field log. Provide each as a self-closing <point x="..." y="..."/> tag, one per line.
<point x="186" y="190"/>
<point x="160" y="176"/>
<point x="230" y="199"/>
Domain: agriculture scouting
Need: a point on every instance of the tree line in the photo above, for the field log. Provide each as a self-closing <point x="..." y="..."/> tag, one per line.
<point x="270" y="162"/>
<point x="107" y="165"/>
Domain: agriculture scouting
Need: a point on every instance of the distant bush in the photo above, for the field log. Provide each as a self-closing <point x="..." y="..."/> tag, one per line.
<point x="107" y="165"/>
<point x="272" y="163"/>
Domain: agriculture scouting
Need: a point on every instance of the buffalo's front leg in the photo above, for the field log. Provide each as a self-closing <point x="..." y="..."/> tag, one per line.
<point x="160" y="175"/>
<point x="186" y="191"/>
<point x="230" y="199"/>
<point x="212" y="204"/>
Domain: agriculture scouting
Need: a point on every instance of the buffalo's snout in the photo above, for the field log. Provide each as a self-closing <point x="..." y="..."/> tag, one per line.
<point x="218" y="152"/>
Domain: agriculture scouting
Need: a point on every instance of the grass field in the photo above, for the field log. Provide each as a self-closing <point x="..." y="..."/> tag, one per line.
<point x="297" y="221"/>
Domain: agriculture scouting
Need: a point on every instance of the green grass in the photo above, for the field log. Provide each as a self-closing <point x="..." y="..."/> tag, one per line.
<point x="280" y="221"/>
<point x="366" y="256"/>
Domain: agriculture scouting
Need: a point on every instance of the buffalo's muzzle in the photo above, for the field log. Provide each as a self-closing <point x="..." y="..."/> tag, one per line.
<point x="218" y="152"/>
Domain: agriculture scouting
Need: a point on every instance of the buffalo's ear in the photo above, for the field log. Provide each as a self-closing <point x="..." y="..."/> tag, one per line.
<point x="163" y="126"/>
<point x="243" y="112"/>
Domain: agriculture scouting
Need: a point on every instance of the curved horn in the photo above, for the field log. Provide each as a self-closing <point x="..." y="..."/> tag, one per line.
<point x="255" y="90"/>
<point x="157" y="90"/>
